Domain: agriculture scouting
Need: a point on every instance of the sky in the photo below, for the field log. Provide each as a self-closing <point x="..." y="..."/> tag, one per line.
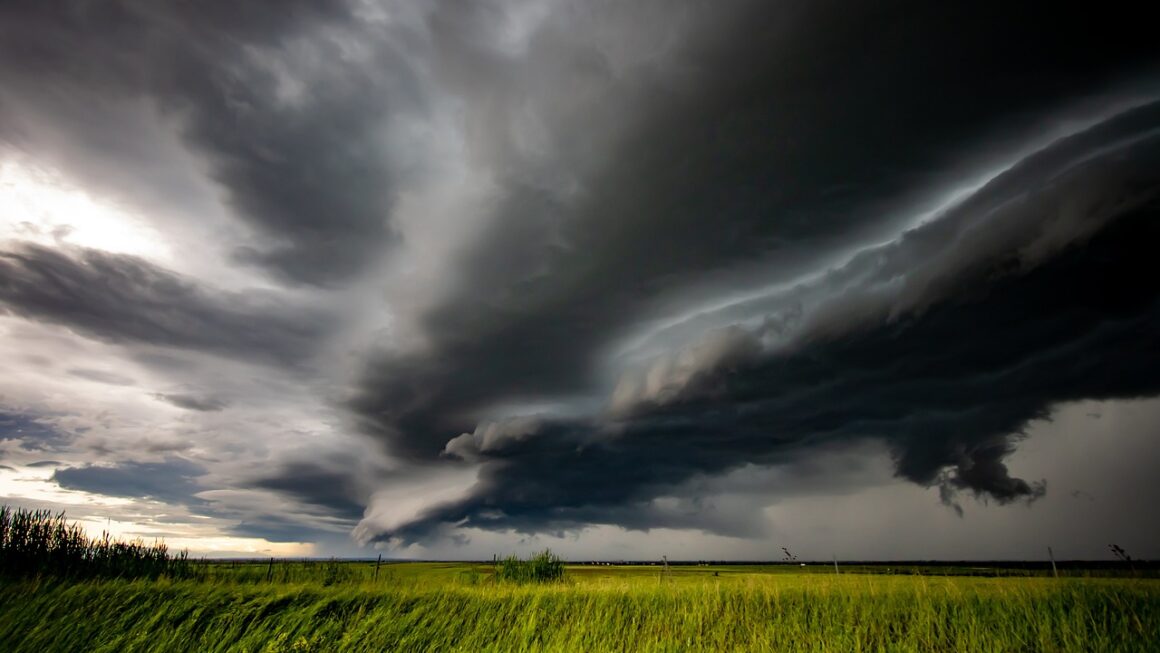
<point x="448" y="279"/>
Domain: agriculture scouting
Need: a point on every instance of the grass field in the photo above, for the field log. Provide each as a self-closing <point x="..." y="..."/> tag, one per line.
<point x="309" y="606"/>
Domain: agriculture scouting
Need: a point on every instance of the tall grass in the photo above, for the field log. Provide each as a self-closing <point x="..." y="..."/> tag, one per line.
<point x="37" y="543"/>
<point x="309" y="605"/>
<point x="748" y="612"/>
<point x="544" y="567"/>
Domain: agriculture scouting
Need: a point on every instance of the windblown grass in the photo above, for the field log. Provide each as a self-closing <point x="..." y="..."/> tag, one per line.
<point x="60" y="591"/>
<point x="544" y="567"/>
<point x="740" y="612"/>
<point x="37" y="543"/>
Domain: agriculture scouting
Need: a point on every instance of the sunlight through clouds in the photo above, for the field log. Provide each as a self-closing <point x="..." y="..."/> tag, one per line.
<point x="40" y="206"/>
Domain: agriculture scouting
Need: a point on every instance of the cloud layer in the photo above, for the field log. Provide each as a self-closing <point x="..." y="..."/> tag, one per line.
<point x="553" y="266"/>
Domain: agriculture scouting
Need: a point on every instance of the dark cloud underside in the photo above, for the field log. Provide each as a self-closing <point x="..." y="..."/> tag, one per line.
<point x="329" y="489"/>
<point x="31" y="432"/>
<point x="171" y="481"/>
<point x="124" y="299"/>
<point x="194" y="402"/>
<point x="949" y="387"/>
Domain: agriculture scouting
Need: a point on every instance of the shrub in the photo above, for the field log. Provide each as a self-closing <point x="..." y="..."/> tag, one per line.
<point x="541" y="568"/>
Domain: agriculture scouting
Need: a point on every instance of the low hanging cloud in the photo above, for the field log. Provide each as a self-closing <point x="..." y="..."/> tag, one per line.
<point x="757" y="181"/>
<point x="883" y="356"/>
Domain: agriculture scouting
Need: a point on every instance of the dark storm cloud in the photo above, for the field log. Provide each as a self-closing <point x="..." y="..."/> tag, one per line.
<point x="125" y="299"/>
<point x="944" y="348"/>
<point x="322" y="512"/>
<point x="194" y="402"/>
<point x="332" y="489"/>
<point x="328" y="494"/>
<point x="274" y="528"/>
<point x="276" y="96"/>
<point x="772" y="134"/>
<point x="173" y="481"/>
<point x="31" y="432"/>
<point x="769" y="136"/>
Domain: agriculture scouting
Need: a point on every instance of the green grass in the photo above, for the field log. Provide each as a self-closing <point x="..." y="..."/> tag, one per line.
<point x="459" y="607"/>
<point x="37" y="543"/>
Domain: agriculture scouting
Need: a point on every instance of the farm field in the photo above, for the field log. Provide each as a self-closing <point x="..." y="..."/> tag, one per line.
<point x="346" y="606"/>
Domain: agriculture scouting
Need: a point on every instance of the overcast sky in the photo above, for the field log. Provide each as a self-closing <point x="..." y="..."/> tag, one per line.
<point x="626" y="279"/>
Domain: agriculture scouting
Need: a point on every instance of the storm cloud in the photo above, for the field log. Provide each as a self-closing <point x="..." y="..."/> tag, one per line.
<point x="172" y="480"/>
<point x="126" y="299"/>
<point x="289" y="119"/>
<point x="732" y="172"/>
<point x="430" y="270"/>
<point x="31" y="432"/>
<point x="950" y="412"/>
<point x="744" y="179"/>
